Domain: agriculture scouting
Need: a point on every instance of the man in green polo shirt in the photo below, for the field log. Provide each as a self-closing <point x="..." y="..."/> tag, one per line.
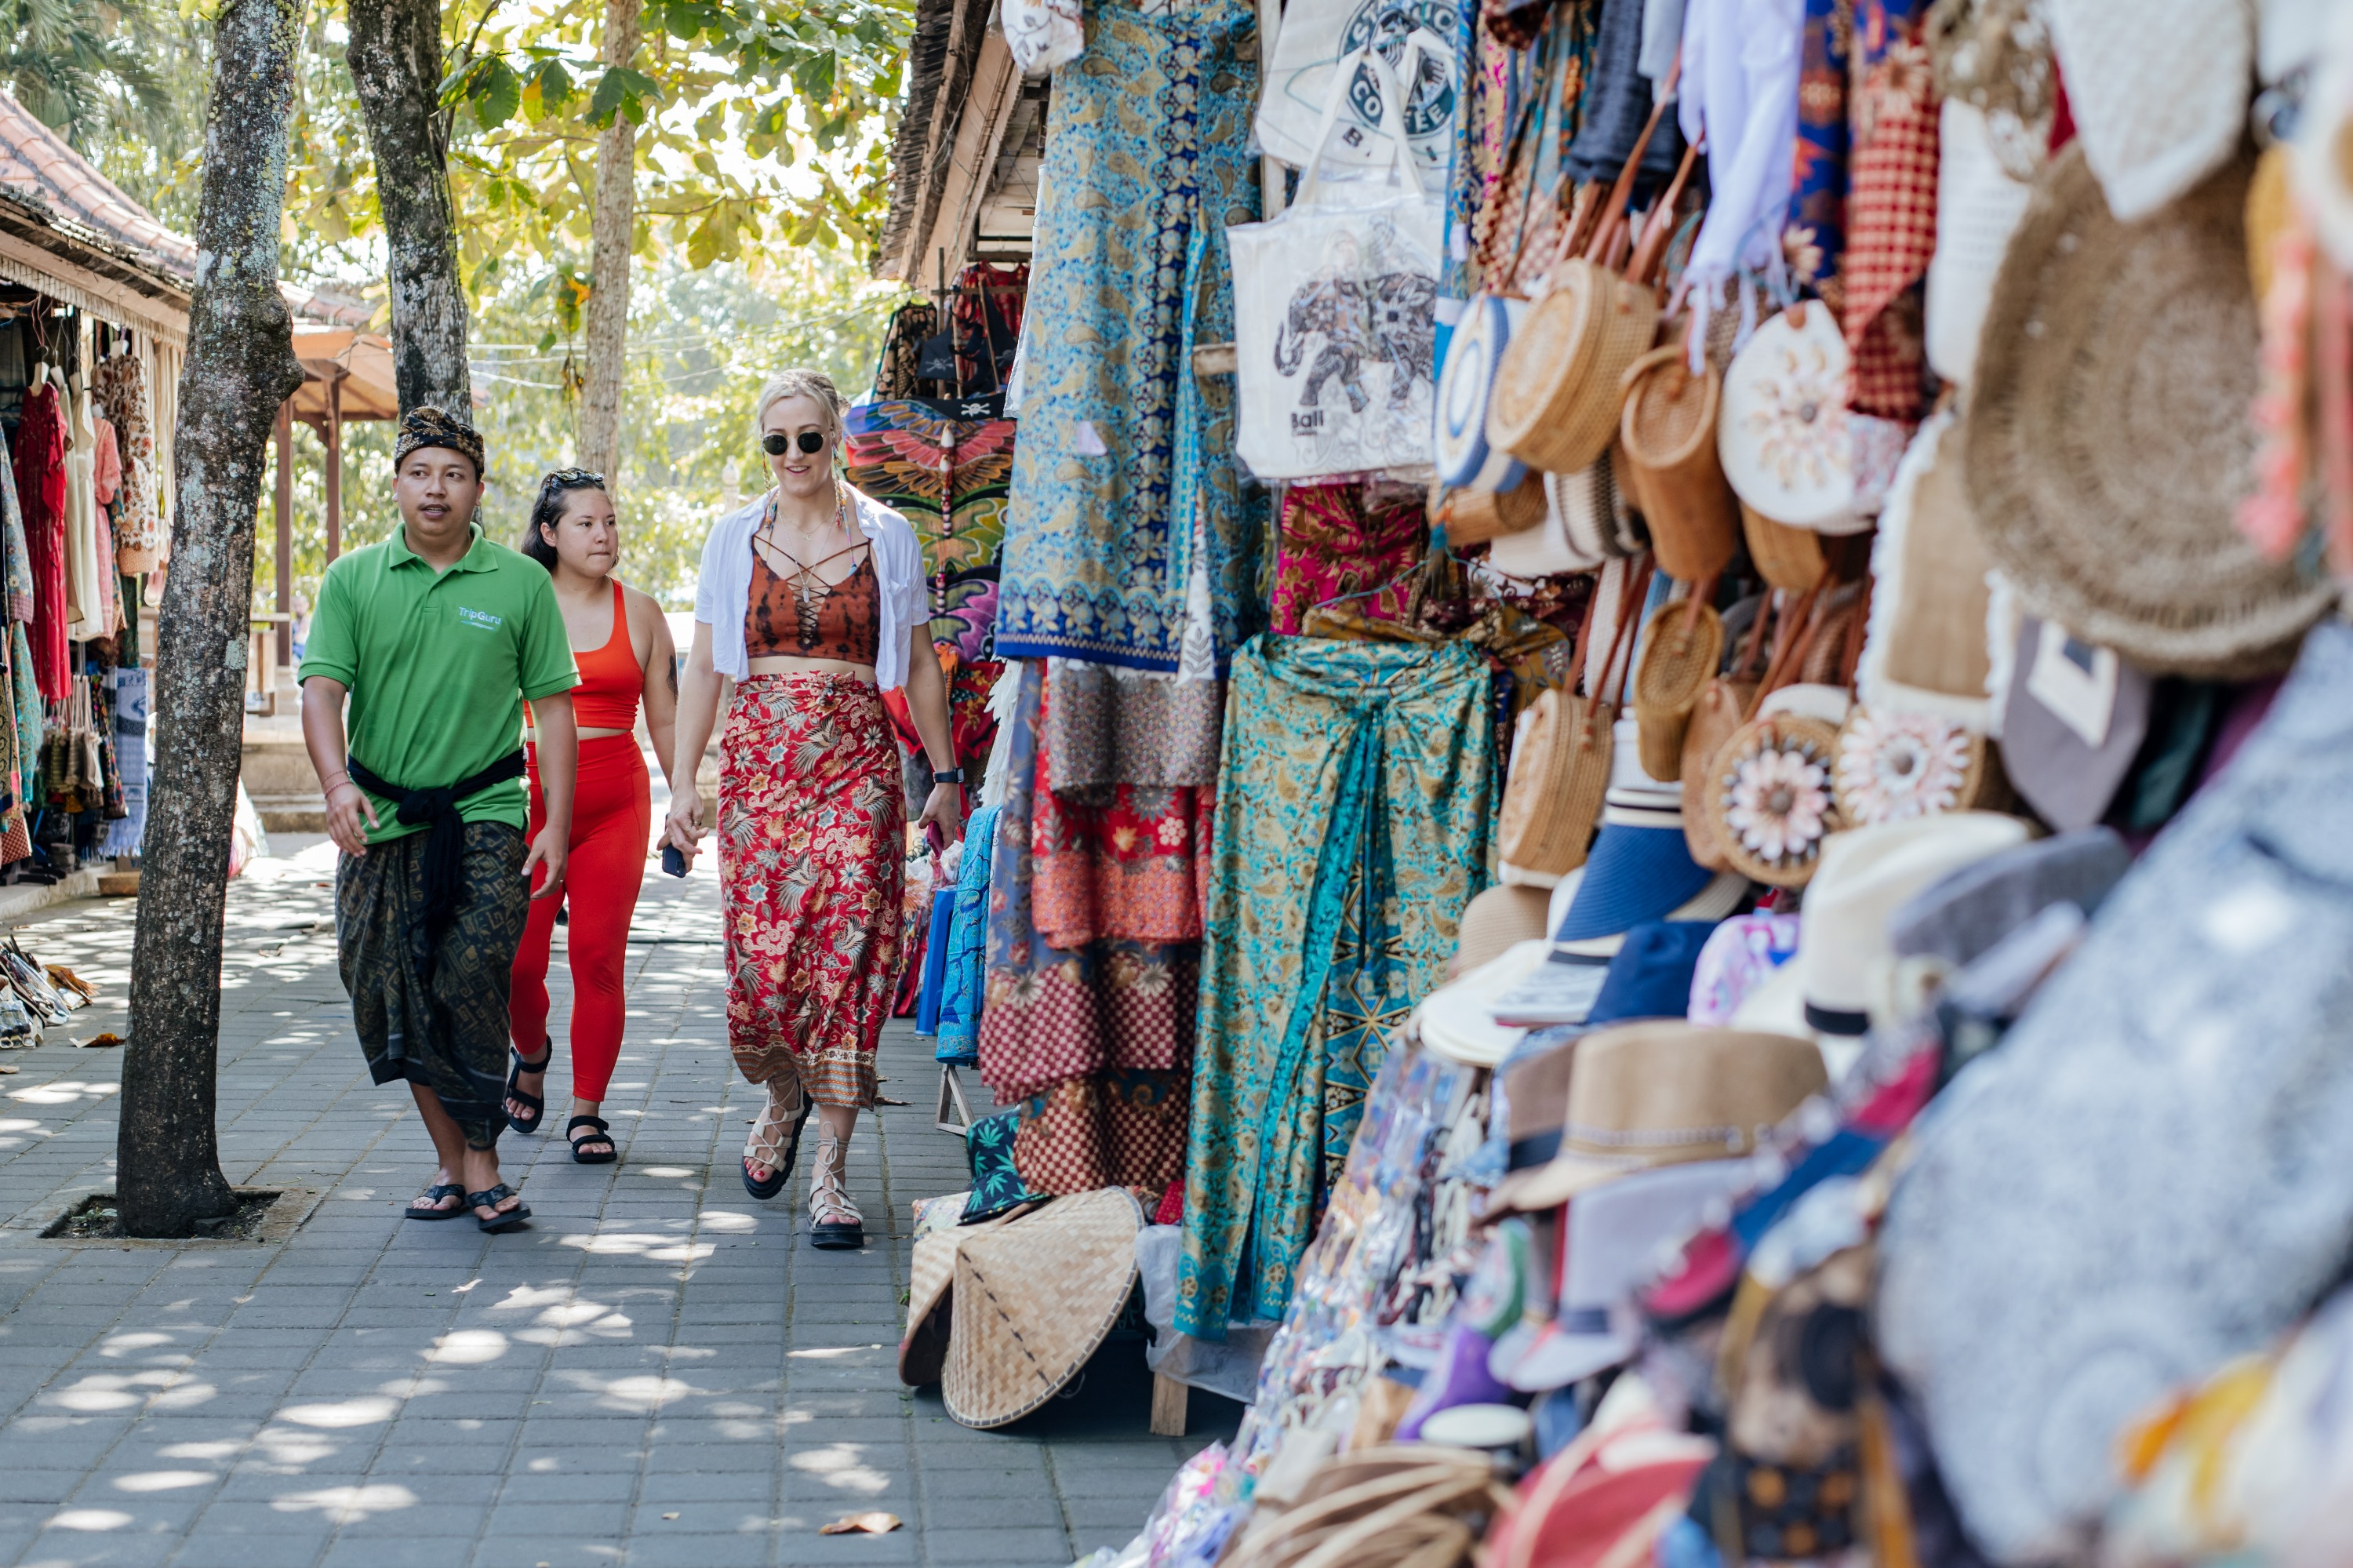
<point x="438" y="636"/>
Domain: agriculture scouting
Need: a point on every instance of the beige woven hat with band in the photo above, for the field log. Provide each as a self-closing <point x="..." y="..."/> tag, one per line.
<point x="1647" y="1095"/>
<point x="2107" y="444"/>
<point x="1034" y="1300"/>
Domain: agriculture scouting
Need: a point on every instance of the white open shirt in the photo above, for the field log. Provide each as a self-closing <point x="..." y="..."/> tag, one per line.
<point x="723" y="596"/>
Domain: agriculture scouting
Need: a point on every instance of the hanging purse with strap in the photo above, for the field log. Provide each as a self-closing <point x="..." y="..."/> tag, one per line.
<point x="1557" y="398"/>
<point x="1560" y="762"/>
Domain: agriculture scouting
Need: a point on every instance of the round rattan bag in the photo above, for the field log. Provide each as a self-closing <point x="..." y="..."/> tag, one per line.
<point x="2107" y="444"/>
<point x="1894" y="766"/>
<point x="1555" y="406"/>
<point x="1770" y="799"/>
<point x="1681" y="647"/>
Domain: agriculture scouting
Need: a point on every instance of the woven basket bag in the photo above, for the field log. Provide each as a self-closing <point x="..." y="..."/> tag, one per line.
<point x="1894" y="766"/>
<point x="1475" y="517"/>
<point x="1681" y="648"/>
<point x="1770" y="799"/>
<point x="1789" y="558"/>
<point x="1557" y="387"/>
<point x="1560" y="770"/>
<point x="1667" y="431"/>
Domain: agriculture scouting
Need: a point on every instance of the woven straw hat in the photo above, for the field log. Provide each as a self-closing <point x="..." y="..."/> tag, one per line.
<point x="1666" y="1093"/>
<point x="1498" y="918"/>
<point x="2108" y="445"/>
<point x="924" y="1349"/>
<point x="1034" y="1299"/>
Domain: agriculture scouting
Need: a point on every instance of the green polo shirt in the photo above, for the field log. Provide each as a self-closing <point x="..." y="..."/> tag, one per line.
<point x="438" y="666"/>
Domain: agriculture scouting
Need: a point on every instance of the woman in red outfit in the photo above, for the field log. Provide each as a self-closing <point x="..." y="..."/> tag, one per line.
<point x="622" y="645"/>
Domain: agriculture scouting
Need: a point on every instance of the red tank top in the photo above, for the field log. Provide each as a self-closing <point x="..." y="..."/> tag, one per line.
<point x="611" y="680"/>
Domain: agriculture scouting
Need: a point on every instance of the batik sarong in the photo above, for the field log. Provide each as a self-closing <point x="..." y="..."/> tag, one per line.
<point x="1149" y="147"/>
<point x="1356" y="804"/>
<point x="435" y="1012"/>
<point x="965" y="973"/>
<point x="1052" y="1017"/>
<point x="812" y="824"/>
<point x="1122" y="848"/>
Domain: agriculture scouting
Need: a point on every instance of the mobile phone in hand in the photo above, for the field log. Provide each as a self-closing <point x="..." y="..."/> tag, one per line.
<point x="673" y="861"/>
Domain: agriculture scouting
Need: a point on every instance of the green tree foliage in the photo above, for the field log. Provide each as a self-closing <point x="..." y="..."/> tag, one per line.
<point x="701" y="342"/>
<point x="85" y="67"/>
<point x="763" y="151"/>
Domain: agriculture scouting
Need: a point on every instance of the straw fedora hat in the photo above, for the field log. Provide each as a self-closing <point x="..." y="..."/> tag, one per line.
<point x="1034" y="1297"/>
<point x="1496" y="919"/>
<point x="2108" y="444"/>
<point x="1667" y="1093"/>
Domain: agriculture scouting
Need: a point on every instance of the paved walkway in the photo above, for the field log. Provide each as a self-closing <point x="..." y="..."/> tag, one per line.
<point x="661" y="1372"/>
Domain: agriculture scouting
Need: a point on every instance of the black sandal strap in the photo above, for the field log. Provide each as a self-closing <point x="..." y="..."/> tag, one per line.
<point x="602" y="1128"/>
<point x="489" y="1199"/>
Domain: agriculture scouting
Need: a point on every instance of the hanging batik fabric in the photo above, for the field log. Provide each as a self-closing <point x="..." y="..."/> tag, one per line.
<point x="1093" y="1046"/>
<point x="1126" y="792"/>
<point x="1356" y="800"/>
<point x="23" y="693"/>
<point x="1148" y="141"/>
<point x="1891" y="208"/>
<point x="957" y="1042"/>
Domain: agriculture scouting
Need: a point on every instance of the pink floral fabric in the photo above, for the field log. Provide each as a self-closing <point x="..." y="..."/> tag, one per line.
<point x="812" y="821"/>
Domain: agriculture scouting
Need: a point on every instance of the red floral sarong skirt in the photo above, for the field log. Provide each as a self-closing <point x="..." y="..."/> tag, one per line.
<point x="812" y="829"/>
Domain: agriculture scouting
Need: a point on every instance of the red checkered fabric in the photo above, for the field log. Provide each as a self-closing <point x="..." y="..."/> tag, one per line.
<point x="1891" y="233"/>
<point x="1114" y="1129"/>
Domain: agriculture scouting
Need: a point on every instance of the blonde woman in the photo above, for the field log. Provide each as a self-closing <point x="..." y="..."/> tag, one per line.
<point x="811" y="604"/>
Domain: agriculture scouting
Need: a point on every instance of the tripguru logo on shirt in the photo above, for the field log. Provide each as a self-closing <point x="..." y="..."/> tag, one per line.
<point x="480" y="620"/>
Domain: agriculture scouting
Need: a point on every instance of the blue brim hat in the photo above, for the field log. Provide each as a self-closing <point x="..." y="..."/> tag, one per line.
<point x="1636" y="873"/>
<point x="1652" y="975"/>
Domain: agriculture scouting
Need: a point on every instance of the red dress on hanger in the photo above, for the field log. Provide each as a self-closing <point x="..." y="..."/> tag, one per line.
<point x="41" y="493"/>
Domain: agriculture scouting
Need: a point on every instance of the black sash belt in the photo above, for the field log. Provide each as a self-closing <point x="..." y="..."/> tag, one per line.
<point x="445" y="831"/>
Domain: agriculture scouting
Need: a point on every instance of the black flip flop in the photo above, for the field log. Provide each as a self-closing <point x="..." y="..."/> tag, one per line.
<point x="417" y="1210"/>
<point x="602" y="1132"/>
<point x="498" y="1224"/>
<point x="538" y="1105"/>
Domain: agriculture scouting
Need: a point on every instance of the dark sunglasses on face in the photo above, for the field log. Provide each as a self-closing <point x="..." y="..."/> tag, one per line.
<point x="775" y="443"/>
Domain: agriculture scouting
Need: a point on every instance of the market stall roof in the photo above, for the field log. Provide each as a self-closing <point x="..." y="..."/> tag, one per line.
<point x="963" y="170"/>
<point x="75" y="236"/>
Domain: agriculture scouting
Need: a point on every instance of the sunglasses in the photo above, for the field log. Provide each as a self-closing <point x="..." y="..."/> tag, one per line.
<point x="775" y="443"/>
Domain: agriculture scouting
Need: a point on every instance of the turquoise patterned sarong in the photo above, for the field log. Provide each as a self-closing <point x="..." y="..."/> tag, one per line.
<point x="1355" y="806"/>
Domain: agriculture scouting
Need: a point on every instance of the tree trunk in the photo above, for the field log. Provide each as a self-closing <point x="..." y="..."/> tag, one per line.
<point x="396" y="60"/>
<point x="240" y="368"/>
<point x="611" y="228"/>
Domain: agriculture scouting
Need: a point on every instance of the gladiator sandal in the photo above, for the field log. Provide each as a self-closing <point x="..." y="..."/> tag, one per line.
<point x="835" y="1223"/>
<point x="775" y="1142"/>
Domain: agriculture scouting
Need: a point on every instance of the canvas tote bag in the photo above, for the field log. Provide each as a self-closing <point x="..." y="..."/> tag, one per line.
<point x="1413" y="39"/>
<point x="1335" y="322"/>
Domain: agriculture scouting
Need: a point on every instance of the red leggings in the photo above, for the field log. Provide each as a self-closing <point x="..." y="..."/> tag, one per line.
<point x="612" y="822"/>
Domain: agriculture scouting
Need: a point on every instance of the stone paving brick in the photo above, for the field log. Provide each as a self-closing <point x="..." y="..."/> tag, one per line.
<point x="382" y="1391"/>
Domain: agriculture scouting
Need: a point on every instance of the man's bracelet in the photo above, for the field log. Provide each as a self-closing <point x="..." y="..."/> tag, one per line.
<point x="948" y="776"/>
